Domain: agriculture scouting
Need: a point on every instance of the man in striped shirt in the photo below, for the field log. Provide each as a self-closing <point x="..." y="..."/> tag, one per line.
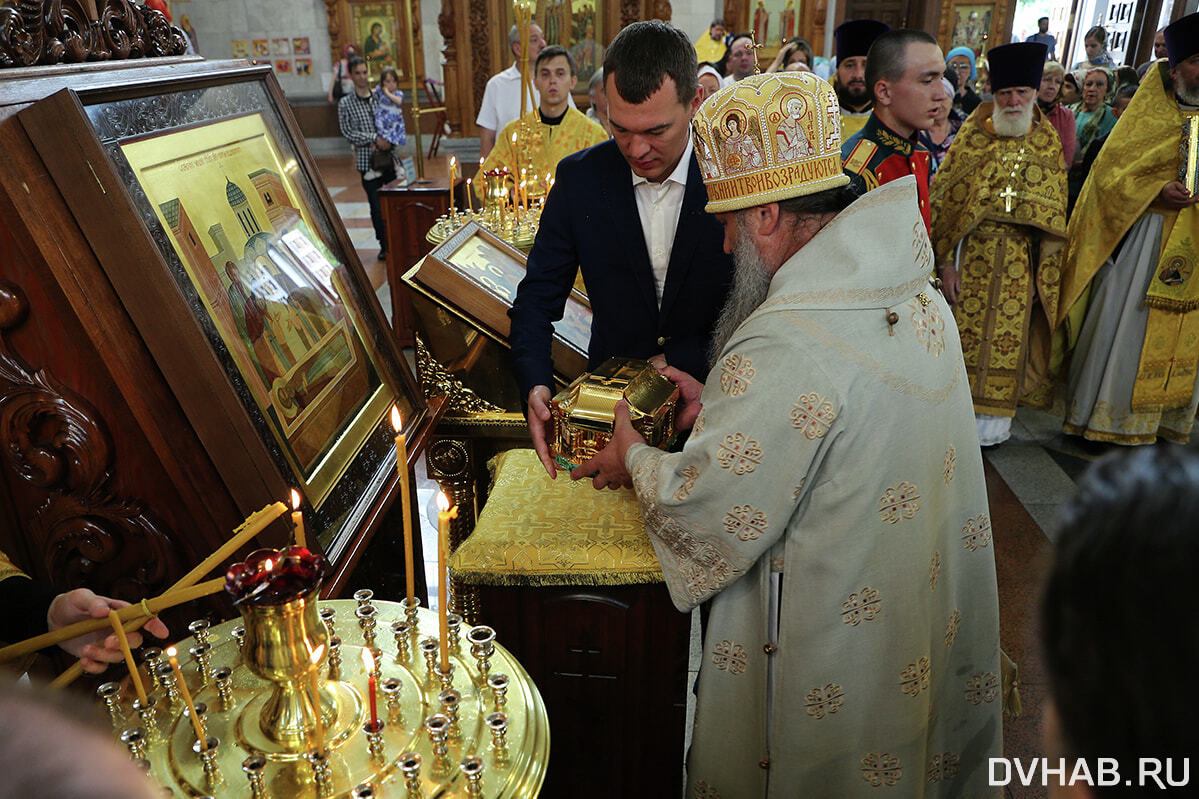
<point x="356" y="118"/>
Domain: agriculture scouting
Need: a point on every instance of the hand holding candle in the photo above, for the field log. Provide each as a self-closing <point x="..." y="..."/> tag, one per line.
<point x="406" y="499"/>
<point x="197" y="724"/>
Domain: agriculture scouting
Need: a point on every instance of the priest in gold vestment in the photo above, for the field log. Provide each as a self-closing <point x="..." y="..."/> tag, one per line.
<point x="1131" y="297"/>
<point x="544" y="136"/>
<point x="830" y="500"/>
<point x="999" y="219"/>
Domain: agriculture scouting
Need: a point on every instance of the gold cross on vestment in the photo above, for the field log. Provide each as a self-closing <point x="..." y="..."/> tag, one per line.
<point x="1008" y="194"/>
<point x="755" y="47"/>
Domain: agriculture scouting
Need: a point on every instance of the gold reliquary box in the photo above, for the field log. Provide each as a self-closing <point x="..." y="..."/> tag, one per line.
<point x="583" y="413"/>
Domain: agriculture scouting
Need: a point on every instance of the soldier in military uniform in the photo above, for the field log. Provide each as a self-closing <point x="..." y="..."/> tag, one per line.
<point x="903" y="69"/>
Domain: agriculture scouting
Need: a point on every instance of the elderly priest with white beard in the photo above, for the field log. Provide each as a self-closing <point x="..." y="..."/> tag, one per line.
<point x="830" y="499"/>
<point x="999" y="230"/>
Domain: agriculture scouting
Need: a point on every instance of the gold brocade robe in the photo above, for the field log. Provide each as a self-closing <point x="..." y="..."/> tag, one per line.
<point x="1141" y="155"/>
<point x="548" y="144"/>
<point x="1004" y="201"/>
<point x="8" y="568"/>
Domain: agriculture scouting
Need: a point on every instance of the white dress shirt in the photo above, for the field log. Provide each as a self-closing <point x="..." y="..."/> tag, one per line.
<point x="501" y="100"/>
<point x="658" y="205"/>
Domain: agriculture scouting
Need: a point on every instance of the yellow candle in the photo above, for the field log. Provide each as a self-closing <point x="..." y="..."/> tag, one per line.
<point x="315" y="657"/>
<point x="470" y="203"/>
<point x="297" y="519"/>
<point x="197" y="724"/>
<point x="123" y="640"/>
<point x="443" y="550"/>
<point x="406" y="499"/>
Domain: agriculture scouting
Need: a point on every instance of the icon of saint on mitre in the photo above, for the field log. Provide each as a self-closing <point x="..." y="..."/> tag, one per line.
<point x="741" y="152"/>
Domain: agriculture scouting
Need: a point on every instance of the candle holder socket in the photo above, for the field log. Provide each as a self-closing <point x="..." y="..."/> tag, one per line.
<point x="482" y="645"/>
<point x="110" y="694"/>
<point x="146" y="712"/>
<point x="472" y="768"/>
<point x="410" y="614"/>
<point x="402" y="632"/>
<point x="322" y="772"/>
<point x="391" y="693"/>
<point x="152" y="657"/>
<point x="450" y="701"/>
<point x="199" y="630"/>
<point x="366" y="615"/>
<point x="497" y="725"/>
<point x="363" y="791"/>
<point x="135" y="739"/>
<point x="454" y="627"/>
<point x="328" y="615"/>
<point x="446" y="677"/>
<point x="223" y="677"/>
<point x="166" y="675"/>
<point x="429" y="648"/>
<point x="363" y="596"/>
<point x="202" y="654"/>
<point x="498" y="683"/>
<point x="410" y="763"/>
<point x="254" y="766"/>
<point x="334" y="658"/>
<point x="239" y="635"/>
<point x="438" y="728"/>
<point x="208" y="752"/>
<point x="374" y="737"/>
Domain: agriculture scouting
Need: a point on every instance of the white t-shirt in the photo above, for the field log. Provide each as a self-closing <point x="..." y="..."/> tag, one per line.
<point x="501" y="100"/>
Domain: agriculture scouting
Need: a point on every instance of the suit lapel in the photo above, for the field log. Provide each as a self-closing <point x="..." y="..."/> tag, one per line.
<point x="686" y="236"/>
<point x="617" y="183"/>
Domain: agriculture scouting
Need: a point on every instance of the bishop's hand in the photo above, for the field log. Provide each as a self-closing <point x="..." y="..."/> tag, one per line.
<point x="689" y="391"/>
<point x="607" y="469"/>
<point x="539" y="422"/>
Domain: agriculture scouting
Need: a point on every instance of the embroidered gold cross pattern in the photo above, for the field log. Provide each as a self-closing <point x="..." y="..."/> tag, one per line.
<point x="982" y="687"/>
<point x="736" y="373"/>
<point x="745" y="521"/>
<point x="739" y="453"/>
<point x="914" y="677"/>
<point x="824" y="701"/>
<point x="899" y="501"/>
<point x="881" y="768"/>
<point x="943" y="767"/>
<point x="812" y="415"/>
<point x="861" y="606"/>
<point x="729" y="657"/>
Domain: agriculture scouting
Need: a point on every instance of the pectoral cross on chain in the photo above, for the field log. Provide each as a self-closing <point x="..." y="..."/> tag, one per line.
<point x="1008" y="194"/>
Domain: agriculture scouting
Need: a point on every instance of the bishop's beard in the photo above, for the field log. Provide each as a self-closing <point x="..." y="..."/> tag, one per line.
<point x="751" y="283"/>
<point x="1012" y="122"/>
<point x="1188" y="94"/>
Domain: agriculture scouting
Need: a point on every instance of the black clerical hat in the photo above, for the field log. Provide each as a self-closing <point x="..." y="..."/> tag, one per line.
<point x="1182" y="38"/>
<point x="1018" y="64"/>
<point x="855" y="37"/>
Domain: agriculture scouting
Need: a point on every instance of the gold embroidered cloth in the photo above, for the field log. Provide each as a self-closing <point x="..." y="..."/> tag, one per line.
<point x="1008" y="305"/>
<point x="538" y="531"/>
<point x="1142" y="155"/>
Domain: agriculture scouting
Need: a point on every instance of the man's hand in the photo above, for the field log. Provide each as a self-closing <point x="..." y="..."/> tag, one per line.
<point x="382" y="144"/>
<point x="951" y="283"/>
<point x="94" y="650"/>
<point x="689" y="391"/>
<point x="607" y="468"/>
<point x="1175" y="195"/>
<point x="539" y="425"/>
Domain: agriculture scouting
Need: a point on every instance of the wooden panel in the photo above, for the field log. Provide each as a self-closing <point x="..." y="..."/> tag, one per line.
<point x="611" y="665"/>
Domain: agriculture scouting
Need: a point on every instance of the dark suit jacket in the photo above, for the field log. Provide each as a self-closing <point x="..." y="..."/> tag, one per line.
<point x="590" y="221"/>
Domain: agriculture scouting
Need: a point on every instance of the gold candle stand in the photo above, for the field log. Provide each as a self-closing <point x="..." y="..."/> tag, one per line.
<point x="264" y="722"/>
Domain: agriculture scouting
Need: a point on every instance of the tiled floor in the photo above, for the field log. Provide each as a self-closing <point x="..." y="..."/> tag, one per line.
<point x="1028" y="479"/>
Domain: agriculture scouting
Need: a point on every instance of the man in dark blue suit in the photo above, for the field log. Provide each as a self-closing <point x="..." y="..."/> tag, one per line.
<point x="630" y="213"/>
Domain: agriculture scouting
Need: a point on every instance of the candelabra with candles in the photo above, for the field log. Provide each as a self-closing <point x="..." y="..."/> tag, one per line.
<point x="284" y="702"/>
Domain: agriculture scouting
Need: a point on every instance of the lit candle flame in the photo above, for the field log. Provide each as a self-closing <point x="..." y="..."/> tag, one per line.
<point x="171" y="652"/>
<point x="397" y="423"/>
<point x="295" y="499"/>
<point x="368" y="660"/>
<point x="268" y="564"/>
<point x="317" y="654"/>
<point x="453" y="162"/>
<point x="443" y="502"/>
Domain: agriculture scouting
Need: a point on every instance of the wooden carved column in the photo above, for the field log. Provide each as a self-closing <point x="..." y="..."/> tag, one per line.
<point x="54" y="441"/>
